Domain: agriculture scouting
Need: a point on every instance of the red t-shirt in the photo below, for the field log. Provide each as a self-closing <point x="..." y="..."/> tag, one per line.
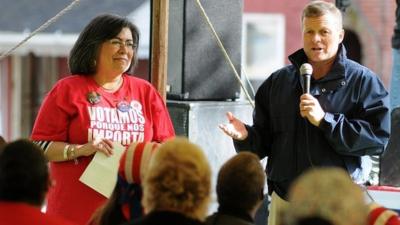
<point x="135" y="112"/>
<point x="13" y="213"/>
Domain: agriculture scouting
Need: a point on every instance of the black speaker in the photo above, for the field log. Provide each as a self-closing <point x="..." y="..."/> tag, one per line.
<point x="197" y="69"/>
<point x="390" y="160"/>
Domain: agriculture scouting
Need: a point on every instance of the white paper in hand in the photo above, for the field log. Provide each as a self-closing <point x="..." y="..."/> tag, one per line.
<point x="101" y="173"/>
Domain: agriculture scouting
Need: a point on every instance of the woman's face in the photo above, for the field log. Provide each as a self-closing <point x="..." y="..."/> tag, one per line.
<point x="116" y="54"/>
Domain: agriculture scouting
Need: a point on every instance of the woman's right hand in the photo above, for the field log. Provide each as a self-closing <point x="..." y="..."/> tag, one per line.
<point x="99" y="145"/>
<point x="235" y="128"/>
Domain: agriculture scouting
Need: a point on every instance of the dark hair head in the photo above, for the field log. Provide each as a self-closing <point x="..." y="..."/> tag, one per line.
<point x="111" y="211"/>
<point x="104" y="27"/>
<point x="24" y="175"/>
<point x="242" y="174"/>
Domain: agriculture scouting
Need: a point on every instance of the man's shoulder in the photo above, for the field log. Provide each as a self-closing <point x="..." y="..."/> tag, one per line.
<point x="164" y="217"/>
<point x="22" y="213"/>
<point x="53" y="220"/>
<point x="355" y="69"/>
<point x="283" y="72"/>
<point x="224" y="219"/>
<point x="286" y="70"/>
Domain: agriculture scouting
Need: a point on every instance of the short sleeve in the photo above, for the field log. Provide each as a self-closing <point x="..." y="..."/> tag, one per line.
<point x="52" y="121"/>
<point x="162" y="124"/>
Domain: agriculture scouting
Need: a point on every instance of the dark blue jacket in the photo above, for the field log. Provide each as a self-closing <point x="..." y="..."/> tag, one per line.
<point x="356" y="123"/>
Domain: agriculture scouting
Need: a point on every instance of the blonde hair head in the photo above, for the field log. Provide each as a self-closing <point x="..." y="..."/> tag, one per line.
<point x="178" y="179"/>
<point x="327" y="193"/>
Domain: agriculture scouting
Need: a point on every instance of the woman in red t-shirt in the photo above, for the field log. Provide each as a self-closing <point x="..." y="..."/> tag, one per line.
<point x="97" y="105"/>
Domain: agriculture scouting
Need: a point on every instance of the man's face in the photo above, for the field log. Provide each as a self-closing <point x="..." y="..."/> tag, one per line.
<point x="321" y="37"/>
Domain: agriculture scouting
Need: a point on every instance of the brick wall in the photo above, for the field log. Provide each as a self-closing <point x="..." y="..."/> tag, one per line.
<point x="292" y="11"/>
<point x="373" y="21"/>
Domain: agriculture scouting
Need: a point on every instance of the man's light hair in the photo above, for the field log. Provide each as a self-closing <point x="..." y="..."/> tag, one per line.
<point x="321" y="8"/>
<point x="327" y="193"/>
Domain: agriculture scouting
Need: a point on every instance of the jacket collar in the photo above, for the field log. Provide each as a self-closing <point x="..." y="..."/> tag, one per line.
<point x="335" y="78"/>
<point x="337" y="71"/>
<point x="235" y="212"/>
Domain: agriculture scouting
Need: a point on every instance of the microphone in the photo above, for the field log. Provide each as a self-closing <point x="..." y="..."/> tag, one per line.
<point x="305" y="72"/>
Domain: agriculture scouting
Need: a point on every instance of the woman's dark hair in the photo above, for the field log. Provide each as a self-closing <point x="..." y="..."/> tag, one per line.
<point x="126" y="196"/>
<point x="24" y="175"/>
<point x="83" y="55"/>
<point x="110" y="212"/>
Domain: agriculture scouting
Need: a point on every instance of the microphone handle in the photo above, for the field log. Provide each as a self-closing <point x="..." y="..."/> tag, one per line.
<point x="307" y="80"/>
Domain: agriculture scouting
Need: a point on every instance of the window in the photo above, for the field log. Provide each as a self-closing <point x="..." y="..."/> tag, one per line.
<point x="263" y="44"/>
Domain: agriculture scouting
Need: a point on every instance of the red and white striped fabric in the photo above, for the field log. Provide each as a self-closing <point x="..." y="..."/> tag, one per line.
<point x="379" y="215"/>
<point x="135" y="161"/>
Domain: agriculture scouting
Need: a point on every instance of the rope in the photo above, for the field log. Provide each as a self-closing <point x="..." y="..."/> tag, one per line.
<point x="221" y="46"/>
<point x="42" y="27"/>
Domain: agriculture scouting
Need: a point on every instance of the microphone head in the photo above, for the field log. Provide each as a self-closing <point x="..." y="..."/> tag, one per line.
<point x="306" y="69"/>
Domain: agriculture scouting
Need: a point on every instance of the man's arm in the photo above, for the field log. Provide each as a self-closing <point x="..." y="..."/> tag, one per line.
<point x="259" y="135"/>
<point x="367" y="133"/>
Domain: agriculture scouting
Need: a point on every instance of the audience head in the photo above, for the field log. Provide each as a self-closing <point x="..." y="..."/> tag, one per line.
<point x="329" y="194"/>
<point x="24" y="175"/>
<point x="135" y="161"/>
<point x="178" y="179"/>
<point x="242" y="174"/>
<point x="86" y="50"/>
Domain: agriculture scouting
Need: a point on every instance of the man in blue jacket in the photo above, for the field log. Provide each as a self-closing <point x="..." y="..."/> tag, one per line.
<point x="345" y="115"/>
